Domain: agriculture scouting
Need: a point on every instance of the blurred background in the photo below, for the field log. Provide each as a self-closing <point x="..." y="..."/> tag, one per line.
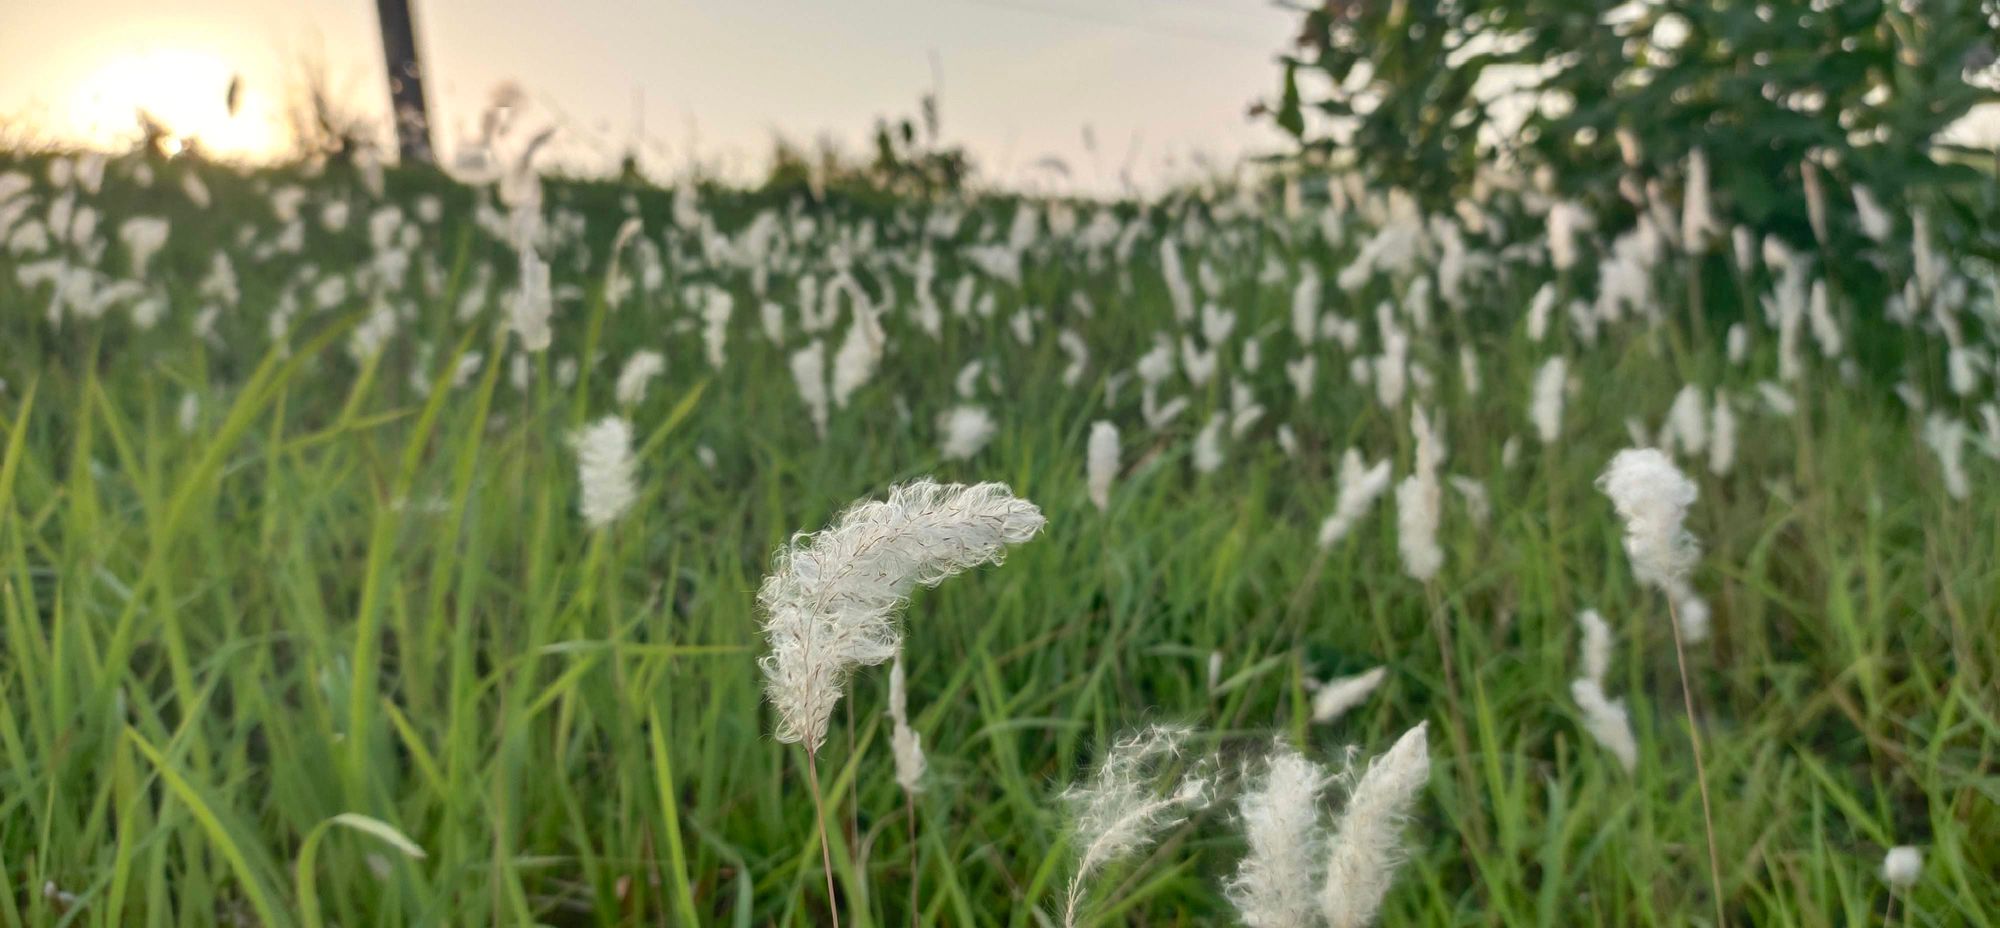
<point x="1084" y="96"/>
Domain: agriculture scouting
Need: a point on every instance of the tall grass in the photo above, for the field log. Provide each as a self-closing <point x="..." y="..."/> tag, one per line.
<point x="340" y="599"/>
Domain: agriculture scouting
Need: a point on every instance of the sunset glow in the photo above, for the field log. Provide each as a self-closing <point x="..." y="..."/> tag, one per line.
<point x="187" y="92"/>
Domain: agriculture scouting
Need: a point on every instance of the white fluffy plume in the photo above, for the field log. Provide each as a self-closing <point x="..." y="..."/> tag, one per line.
<point x="1360" y="487"/>
<point x="1546" y="406"/>
<point x="831" y="597"/>
<point x="966" y="429"/>
<point x="1335" y="697"/>
<point x="1135" y="795"/>
<point x="809" y="372"/>
<point x="1653" y="497"/>
<point x="604" y="468"/>
<point x="1902" y="865"/>
<point x="1603" y="717"/>
<point x="639" y="370"/>
<point x="1419" y="504"/>
<point x="1101" y="463"/>
<point x="1606" y="721"/>
<point x="1273" y="886"/>
<point x="904" y="742"/>
<point x="1367" y="844"/>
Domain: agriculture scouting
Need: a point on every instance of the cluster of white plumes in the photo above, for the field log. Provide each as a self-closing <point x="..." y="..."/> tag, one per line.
<point x="1299" y="873"/>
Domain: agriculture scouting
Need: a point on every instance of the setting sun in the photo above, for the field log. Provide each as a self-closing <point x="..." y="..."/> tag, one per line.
<point x="188" y="93"/>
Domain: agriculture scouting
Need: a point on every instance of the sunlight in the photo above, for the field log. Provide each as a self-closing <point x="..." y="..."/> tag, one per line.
<point x="187" y="92"/>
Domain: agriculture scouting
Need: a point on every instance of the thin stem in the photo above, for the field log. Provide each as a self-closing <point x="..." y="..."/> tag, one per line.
<point x="910" y="806"/>
<point x="1700" y="767"/>
<point x="1697" y="310"/>
<point x="819" y="817"/>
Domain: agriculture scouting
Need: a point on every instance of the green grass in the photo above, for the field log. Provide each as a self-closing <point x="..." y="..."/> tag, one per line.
<point x="241" y="663"/>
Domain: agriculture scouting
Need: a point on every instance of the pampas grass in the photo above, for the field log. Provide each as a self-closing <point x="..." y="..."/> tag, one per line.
<point x="1652" y="496"/>
<point x="831" y="597"/>
<point x="1366" y="846"/>
<point x="1603" y="717"/>
<point x="1335" y="697"/>
<point x="1101" y="463"/>
<point x="1282" y="823"/>
<point x="1136" y="794"/>
<point x="604" y="469"/>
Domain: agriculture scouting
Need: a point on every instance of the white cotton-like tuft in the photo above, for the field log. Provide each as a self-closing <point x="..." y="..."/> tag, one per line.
<point x="1073" y="345"/>
<point x="1606" y="721"/>
<point x="1273" y="886"/>
<point x="859" y="355"/>
<point x="1653" y="497"/>
<point x="967" y="381"/>
<point x="1302" y="372"/>
<point x="830" y="600"/>
<point x="1478" y="505"/>
<point x="189" y="414"/>
<point x="1722" y="436"/>
<point x="1367" y="843"/>
<point x="1360" y="487"/>
<point x="639" y="370"/>
<point x="966" y="430"/>
<point x="1101" y="463"/>
<point x="1566" y="219"/>
<point x="1420" y="504"/>
<point x="1335" y="697"/>
<point x="1288" y="440"/>
<point x="716" y="307"/>
<point x="809" y="372"/>
<point x="1540" y="310"/>
<point x="1687" y="422"/>
<point x="904" y="742"/>
<point x="1132" y="798"/>
<point x="143" y="237"/>
<point x="533" y="303"/>
<point x="1417" y="512"/>
<point x="1208" y="445"/>
<point x="1946" y="437"/>
<point x="1826" y="329"/>
<point x="1546" y="406"/>
<point x="1815" y="200"/>
<point x="1690" y="611"/>
<point x="604" y="468"/>
<point x="1596" y="644"/>
<point x="1902" y="865"/>
<point x="1603" y="717"/>
<point x="1305" y="307"/>
<point x="1737" y="343"/>
<point x="1776" y="399"/>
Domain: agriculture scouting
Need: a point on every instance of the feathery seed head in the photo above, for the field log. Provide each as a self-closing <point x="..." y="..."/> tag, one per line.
<point x="1652" y="496"/>
<point x="830" y="599"/>
<point x="604" y="468"/>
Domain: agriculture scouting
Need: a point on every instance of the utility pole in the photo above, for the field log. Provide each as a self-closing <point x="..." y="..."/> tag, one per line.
<point x="406" y="81"/>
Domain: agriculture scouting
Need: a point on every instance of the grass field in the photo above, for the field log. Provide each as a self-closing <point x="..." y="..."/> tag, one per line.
<point x="254" y="578"/>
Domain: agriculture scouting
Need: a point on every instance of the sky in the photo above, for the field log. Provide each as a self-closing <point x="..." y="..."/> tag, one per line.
<point x="1160" y="85"/>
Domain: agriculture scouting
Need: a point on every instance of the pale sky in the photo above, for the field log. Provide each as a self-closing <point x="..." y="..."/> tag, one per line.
<point x="1159" y="82"/>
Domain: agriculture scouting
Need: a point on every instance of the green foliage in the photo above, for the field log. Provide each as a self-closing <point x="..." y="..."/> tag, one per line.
<point x="1432" y="93"/>
<point x="338" y="651"/>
